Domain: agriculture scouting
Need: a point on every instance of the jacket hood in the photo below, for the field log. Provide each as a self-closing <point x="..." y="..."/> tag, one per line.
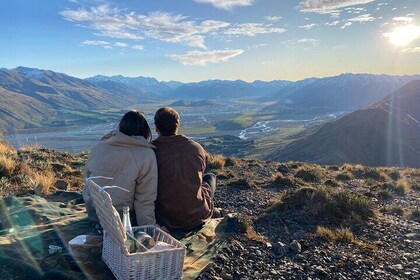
<point x="171" y="139"/>
<point x="116" y="138"/>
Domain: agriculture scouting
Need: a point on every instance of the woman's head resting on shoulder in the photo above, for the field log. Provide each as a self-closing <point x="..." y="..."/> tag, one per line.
<point x="134" y="123"/>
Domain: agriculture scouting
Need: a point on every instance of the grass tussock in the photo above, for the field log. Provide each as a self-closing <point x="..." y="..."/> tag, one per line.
<point x="344" y="176"/>
<point x="393" y="210"/>
<point x="326" y="203"/>
<point x="245" y="227"/>
<point x="399" y="188"/>
<point x="6" y="149"/>
<point x="242" y="182"/>
<point x="342" y="234"/>
<point x="231" y="161"/>
<point x="363" y="172"/>
<point x="41" y="183"/>
<point x="7" y="165"/>
<point x="384" y="195"/>
<point x="215" y="161"/>
<point x="402" y="186"/>
<point x="313" y="174"/>
<point x="394" y="174"/>
<point x="281" y="180"/>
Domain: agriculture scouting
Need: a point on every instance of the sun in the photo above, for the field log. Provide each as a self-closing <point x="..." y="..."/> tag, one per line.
<point x="403" y="35"/>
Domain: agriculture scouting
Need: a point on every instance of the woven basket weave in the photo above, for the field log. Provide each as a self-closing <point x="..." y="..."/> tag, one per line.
<point x="164" y="264"/>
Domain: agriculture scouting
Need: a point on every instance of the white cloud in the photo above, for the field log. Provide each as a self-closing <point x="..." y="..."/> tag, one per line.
<point x="335" y="14"/>
<point x="333" y="23"/>
<point x="121" y="45"/>
<point x="201" y="58"/>
<point x="308" y="26"/>
<point x="362" y="18"/>
<point x="411" y="50"/>
<point x="406" y="19"/>
<point x="257" y="46"/>
<point x="326" y="6"/>
<point x="308" y="41"/>
<point x="138" y="47"/>
<point x="273" y="18"/>
<point x="123" y="24"/>
<point x="252" y="29"/>
<point x="347" y="24"/>
<point x="227" y="4"/>
<point x="95" y="43"/>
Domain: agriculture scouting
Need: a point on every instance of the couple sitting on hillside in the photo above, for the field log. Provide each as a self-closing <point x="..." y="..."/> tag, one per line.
<point x="163" y="180"/>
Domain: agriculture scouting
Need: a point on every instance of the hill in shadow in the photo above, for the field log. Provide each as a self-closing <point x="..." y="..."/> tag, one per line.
<point x="385" y="134"/>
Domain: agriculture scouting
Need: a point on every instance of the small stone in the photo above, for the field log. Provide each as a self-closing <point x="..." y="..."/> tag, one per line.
<point x="320" y="271"/>
<point x="283" y="168"/>
<point x="298" y="235"/>
<point x="295" y="247"/>
<point x="280" y="248"/>
<point x="226" y="275"/>
<point x="258" y="253"/>
<point x="299" y="258"/>
<point x="61" y="185"/>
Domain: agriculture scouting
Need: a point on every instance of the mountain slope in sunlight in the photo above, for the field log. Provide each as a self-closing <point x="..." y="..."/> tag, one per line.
<point x="33" y="97"/>
<point x="386" y="133"/>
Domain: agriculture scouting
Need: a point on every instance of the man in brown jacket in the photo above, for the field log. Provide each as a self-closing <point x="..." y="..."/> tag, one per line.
<point x="185" y="195"/>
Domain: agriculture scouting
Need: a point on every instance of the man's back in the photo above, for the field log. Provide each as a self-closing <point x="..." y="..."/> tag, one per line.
<point x="184" y="200"/>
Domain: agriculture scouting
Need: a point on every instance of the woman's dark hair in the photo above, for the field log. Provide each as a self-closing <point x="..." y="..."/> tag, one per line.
<point x="167" y="121"/>
<point x="134" y="123"/>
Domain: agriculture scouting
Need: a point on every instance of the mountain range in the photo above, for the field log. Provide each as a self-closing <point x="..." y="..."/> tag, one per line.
<point x="383" y="128"/>
<point x="32" y="97"/>
<point x="386" y="133"/>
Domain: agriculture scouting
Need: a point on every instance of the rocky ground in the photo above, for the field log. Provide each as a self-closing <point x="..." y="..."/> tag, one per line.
<point x="295" y="220"/>
<point x="372" y="230"/>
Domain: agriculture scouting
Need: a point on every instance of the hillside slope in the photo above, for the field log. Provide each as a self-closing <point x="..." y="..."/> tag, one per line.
<point x="34" y="97"/>
<point x="386" y="133"/>
<point x="346" y="92"/>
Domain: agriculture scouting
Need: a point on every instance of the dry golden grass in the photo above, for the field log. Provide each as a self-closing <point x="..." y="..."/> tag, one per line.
<point x="231" y="161"/>
<point x="402" y="187"/>
<point x="396" y="210"/>
<point x="245" y="227"/>
<point x="7" y="165"/>
<point x="30" y="148"/>
<point x="342" y="234"/>
<point x="215" y="161"/>
<point x="332" y="204"/>
<point x="283" y="180"/>
<point x="313" y="174"/>
<point x="41" y="183"/>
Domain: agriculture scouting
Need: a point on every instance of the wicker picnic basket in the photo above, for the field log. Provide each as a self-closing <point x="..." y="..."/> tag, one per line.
<point x="163" y="264"/>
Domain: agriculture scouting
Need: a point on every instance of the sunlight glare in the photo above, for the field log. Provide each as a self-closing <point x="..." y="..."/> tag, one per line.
<point x="403" y="35"/>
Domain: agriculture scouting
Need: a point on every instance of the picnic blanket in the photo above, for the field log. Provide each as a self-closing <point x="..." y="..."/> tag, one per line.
<point x="29" y="224"/>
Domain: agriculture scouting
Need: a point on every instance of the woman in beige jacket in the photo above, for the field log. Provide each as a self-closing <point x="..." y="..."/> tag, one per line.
<point x="126" y="156"/>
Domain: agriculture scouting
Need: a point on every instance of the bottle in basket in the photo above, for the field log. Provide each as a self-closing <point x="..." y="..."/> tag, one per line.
<point x="144" y="239"/>
<point x="129" y="242"/>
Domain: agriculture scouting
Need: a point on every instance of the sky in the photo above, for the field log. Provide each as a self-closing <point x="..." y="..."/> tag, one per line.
<point x="195" y="40"/>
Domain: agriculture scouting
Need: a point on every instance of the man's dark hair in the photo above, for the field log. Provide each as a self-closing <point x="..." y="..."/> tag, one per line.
<point x="167" y="121"/>
<point x="134" y="123"/>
